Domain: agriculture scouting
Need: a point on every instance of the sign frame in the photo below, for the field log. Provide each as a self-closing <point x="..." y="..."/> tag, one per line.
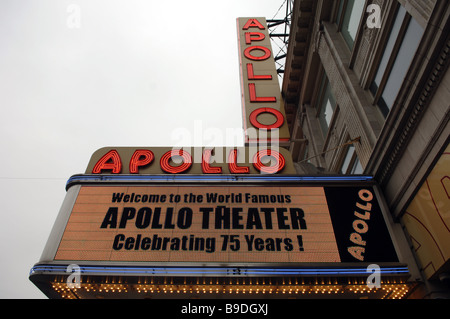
<point x="75" y="183"/>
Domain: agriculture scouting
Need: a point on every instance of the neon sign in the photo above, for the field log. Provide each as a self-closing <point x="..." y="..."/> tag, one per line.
<point x="164" y="160"/>
<point x="263" y="111"/>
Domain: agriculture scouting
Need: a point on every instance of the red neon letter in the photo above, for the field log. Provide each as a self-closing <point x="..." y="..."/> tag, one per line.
<point x="206" y="168"/>
<point x="253" y="36"/>
<point x="233" y="167"/>
<point x="279" y="165"/>
<point x="248" y="55"/>
<point x="140" y="158"/>
<point x="251" y="74"/>
<point x="254" y="98"/>
<point x="165" y="159"/>
<point x="254" y="118"/>
<point x="115" y="163"/>
<point x="253" y="23"/>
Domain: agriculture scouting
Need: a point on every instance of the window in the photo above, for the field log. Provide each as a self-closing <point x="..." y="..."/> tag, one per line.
<point x="348" y="19"/>
<point x="326" y="105"/>
<point x="399" y="52"/>
<point x="351" y="164"/>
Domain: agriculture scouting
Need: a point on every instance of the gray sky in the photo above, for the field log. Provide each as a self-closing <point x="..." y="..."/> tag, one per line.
<point x="78" y="75"/>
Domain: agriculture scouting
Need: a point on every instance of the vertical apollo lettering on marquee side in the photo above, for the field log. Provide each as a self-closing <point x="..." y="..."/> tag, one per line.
<point x="264" y="117"/>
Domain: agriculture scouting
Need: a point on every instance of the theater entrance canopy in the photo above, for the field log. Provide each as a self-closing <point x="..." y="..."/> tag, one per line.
<point x="267" y="235"/>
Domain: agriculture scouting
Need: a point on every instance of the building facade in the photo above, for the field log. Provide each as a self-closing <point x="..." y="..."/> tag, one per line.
<point x="366" y="91"/>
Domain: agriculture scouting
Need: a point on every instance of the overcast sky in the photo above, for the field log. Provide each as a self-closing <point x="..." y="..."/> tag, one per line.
<point x="78" y="75"/>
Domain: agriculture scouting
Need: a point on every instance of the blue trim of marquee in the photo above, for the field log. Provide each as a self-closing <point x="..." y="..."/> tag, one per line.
<point x="217" y="271"/>
<point x="217" y="178"/>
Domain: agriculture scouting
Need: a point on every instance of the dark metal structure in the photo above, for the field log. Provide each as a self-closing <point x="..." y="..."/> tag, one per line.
<point x="279" y="30"/>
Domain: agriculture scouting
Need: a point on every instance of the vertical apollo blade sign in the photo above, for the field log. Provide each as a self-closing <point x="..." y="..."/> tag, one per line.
<point x="264" y="117"/>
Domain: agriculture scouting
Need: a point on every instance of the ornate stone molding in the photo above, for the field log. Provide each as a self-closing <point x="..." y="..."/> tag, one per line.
<point x="405" y="131"/>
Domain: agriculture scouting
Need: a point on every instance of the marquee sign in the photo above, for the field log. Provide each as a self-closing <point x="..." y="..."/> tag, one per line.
<point x="264" y="117"/>
<point x="225" y="224"/>
<point x="198" y="160"/>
